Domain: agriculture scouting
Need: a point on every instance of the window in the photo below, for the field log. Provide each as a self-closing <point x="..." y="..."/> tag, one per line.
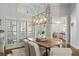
<point x="23" y="26"/>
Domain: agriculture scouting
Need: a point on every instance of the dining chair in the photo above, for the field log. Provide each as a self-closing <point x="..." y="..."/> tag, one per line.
<point x="60" y="52"/>
<point x="42" y="49"/>
<point x="31" y="47"/>
<point x="34" y="49"/>
<point x="26" y="47"/>
<point x="59" y="45"/>
<point x="25" y="40"/>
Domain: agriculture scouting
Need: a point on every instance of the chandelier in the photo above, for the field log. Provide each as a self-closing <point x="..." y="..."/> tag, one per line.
<point x="39" y="20"/>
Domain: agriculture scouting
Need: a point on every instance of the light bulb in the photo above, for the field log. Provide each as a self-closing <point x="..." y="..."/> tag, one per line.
<point x="36" y="22"/>
<point x="45" y="19"/>
<point x="41" y="20"/>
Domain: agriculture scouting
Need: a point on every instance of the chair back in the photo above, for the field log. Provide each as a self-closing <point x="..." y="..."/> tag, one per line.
<point x="60" y="52"/>
<point x="34" y="49"/>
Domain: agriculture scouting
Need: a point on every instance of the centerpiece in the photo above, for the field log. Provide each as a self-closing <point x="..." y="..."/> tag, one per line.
<point x="42" y="36"/>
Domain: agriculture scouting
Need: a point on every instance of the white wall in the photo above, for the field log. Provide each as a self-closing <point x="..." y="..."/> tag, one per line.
<point x="60" y="9"/>
<point x="58" y="24"/>
<point x="75" y="27"/>
<point x="59" y="27"/>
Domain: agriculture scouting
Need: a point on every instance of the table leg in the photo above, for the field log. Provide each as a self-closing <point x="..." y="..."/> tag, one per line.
<point x="47" y="51"/>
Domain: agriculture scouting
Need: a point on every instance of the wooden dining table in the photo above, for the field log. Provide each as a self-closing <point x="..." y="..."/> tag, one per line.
<point x="49" y="43"/>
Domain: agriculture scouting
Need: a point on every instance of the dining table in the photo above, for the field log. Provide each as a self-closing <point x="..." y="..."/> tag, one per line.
<point x="48" y="43"/>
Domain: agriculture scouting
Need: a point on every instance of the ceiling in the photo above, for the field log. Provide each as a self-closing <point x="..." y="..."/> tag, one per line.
<point x="56" y="9"/>
<point x="32" y="9"/>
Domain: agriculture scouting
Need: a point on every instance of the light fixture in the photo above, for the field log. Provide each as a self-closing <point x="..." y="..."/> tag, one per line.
<point x="34" y="20"/>
<point x="39" y="20"/>
<point x="45" y="20"/>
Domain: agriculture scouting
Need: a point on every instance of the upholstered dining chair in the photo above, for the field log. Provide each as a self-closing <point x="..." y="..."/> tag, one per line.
<point x="60" y="52"/>
<point x="34" y="49"/>
<point x="31" y="50"/>
<point x="26" y="46"/>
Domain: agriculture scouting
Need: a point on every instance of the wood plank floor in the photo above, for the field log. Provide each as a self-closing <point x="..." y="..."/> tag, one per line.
<point x="75" y="52"/>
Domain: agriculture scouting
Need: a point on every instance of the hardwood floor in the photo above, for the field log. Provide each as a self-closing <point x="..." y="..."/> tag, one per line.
<point x="75" y="52"/>
<point x="9" y="51"/>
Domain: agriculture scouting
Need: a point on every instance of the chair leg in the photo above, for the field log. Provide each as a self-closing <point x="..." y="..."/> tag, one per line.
<point x="47" y="50"/>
